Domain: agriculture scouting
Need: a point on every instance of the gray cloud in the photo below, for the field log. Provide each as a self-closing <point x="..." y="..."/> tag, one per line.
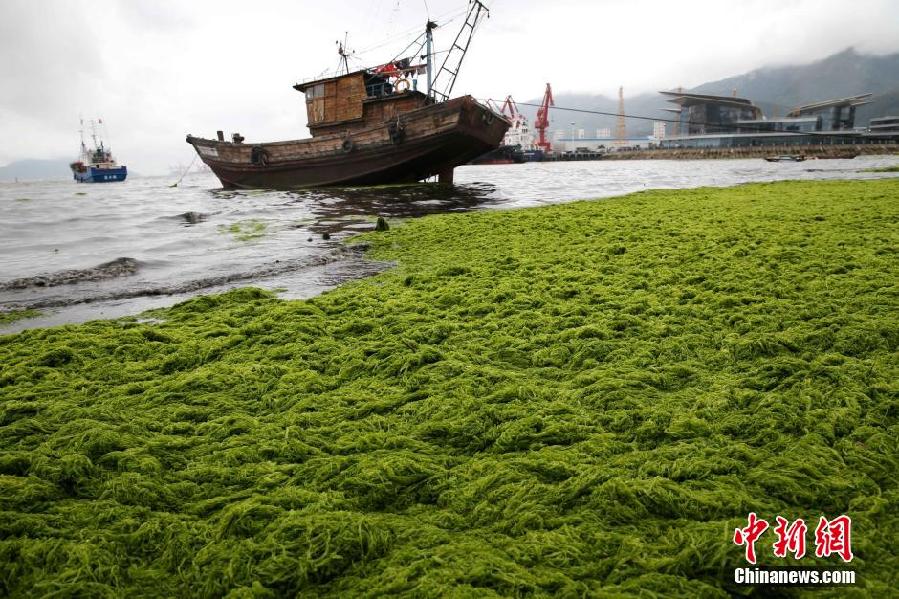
<point x="48" y="52"/>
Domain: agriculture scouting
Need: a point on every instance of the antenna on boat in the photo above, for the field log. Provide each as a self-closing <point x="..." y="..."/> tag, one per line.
<point x="456" y="54"/>
<point x="344" y="55"/>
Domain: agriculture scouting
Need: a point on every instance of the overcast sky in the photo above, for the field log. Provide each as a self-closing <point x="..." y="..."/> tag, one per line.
<point x="155" y="70"/>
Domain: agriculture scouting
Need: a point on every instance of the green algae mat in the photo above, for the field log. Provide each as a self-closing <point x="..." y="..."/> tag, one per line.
<point x="14" y="315"/>
<point x="579" y="400"/>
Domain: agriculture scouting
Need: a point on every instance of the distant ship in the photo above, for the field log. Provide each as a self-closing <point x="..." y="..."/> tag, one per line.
<point x="518" y="143"/>
<point x="96" y="164"/>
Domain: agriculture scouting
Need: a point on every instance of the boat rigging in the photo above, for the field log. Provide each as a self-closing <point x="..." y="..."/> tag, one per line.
<point x="371" y="126"/>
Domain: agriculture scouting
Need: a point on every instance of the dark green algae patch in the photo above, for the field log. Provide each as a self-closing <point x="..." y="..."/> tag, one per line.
<point x="893" y="168"/>
<point x="583" y="399"/>
<point x="9" y="316"/>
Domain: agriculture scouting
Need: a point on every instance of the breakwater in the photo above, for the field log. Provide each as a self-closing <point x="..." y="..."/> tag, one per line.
<point x="809" y="151"/>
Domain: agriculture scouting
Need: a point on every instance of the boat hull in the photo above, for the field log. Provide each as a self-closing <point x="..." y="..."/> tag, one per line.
<point x="418" y="144"/>
<point x="93" y="174"/>
<point x="501" y="155"/>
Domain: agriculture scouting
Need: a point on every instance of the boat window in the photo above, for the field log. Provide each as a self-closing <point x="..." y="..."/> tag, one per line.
<point x="316" y="91"/>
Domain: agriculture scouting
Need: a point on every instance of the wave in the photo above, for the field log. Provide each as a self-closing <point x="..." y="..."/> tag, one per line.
<point x="120" y="267"/>
<point x="341" y="253"/>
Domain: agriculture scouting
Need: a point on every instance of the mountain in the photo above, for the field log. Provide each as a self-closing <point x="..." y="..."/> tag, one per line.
<point x="845" y="74"/>
<point x="774" y="89"/>
<point x="31" y="170"/>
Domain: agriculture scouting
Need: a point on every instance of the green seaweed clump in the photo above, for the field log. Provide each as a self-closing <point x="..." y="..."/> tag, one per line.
<point x="581" y="400"/>
<point x="893" y="168"/>
<point x="8" y="316"/>
<point x="245" y="230"/>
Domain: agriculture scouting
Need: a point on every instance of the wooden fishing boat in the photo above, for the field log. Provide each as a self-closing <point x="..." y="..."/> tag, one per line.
<point x="369" y="127"/>
<point x="407" y="146"/>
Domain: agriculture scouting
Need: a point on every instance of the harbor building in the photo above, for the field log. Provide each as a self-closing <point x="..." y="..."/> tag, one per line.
<point x="884" y="124"/>
<point x="602" y="144"/>
<point x="833" y="115"/>
<point x="883" y="130"/>
<point x="702" y="114"/>
<point x="708" y="121"/>
<point x="776" y="125"/>
<point x="658" y="130"/>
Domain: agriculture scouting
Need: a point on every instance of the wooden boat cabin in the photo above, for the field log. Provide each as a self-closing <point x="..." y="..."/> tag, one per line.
<point x="363" y="99"/>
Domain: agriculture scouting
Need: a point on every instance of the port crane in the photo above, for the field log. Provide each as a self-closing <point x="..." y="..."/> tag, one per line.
<point x="542" y="120"/>
<point x="518" y="133"/>
<point x="510" y="109"/>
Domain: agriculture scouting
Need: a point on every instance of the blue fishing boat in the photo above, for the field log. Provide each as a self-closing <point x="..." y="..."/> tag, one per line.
<point x="96" y="164"/>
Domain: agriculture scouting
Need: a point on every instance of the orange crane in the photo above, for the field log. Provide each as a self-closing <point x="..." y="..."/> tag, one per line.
<point x="512" y="112"/>
<point x="542" y="121"/>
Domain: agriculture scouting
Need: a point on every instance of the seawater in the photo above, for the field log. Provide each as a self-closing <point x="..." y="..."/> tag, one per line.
<point x="80" y="252"/>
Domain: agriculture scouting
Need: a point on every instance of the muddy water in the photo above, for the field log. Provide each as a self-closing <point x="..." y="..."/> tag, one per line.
<point x="81" y="252"/>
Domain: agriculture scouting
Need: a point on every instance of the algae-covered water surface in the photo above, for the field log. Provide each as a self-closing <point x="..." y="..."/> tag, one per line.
<point x="120" y="250"/>
<point x="584" y="399"/>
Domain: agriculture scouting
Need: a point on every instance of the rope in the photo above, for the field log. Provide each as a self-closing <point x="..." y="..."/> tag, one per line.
<point x="176" y="183"/>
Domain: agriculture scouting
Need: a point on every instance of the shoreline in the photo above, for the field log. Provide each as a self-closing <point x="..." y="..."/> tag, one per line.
<point x="567" y="399"/>
<point x="811" y="152"/>
<point x="118" y="297"/>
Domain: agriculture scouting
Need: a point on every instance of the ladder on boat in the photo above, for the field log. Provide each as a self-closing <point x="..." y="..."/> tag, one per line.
<point x="453" y="61"/>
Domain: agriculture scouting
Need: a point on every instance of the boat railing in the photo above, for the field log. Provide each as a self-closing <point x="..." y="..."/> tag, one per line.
<point x="378" y="90"/>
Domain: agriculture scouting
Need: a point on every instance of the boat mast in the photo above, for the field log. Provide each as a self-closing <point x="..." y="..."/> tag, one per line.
<point x="429" y="41"/>
<point x="81" y="133"/>
<point x="94" y="133"/>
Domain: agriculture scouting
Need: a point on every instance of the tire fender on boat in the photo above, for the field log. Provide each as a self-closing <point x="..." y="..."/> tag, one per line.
<point x="397" y="130"/>
<point x="348" y="145"/>
<point x="259" y="155"/>
<point x="487" y="117"/>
